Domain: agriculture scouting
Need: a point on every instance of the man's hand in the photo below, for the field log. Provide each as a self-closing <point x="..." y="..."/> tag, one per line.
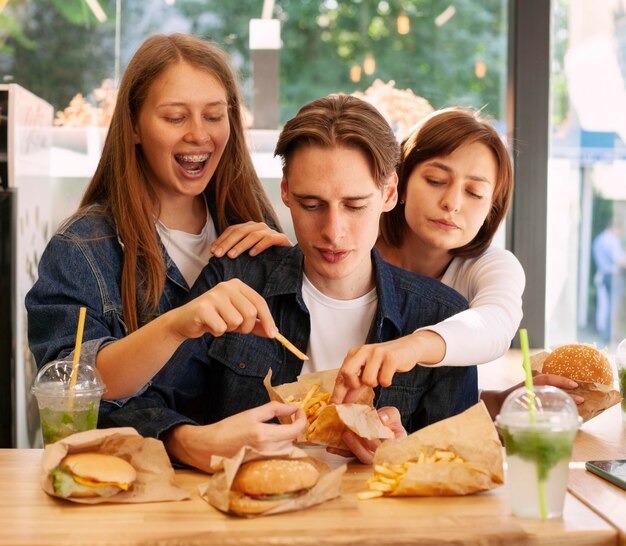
<point x="364" y="450"/>
<point x="194" y="445"/>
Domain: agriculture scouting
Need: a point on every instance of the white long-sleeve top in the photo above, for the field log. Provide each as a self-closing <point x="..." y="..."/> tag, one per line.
<point x="493" y="284"/>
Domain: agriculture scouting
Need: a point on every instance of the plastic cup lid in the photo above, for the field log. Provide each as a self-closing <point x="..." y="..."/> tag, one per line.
<point x="554" y="408"/>
<point x="54" y="380"/>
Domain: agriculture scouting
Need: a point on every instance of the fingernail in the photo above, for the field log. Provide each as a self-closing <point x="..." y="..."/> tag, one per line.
<point x="573" y="384"/>
<point x="232" y="253"/>
<point x="384" y="417"/>
<point x="219" y="251"/>
<point x="273" y="331"/>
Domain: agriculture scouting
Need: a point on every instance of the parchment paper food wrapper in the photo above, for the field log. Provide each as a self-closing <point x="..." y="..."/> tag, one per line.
<point x="360" y="417"/>
<point x="217" y="490"/>
<point x="471" y="435"/>
<point x="598" y="397"/>
<point x="155" y="476"/>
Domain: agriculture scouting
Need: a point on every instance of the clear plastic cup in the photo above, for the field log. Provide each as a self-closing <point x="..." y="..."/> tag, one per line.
<point x="538" y="453"/>
<point x="620" y="361"/>
<point x="62" y="410"/>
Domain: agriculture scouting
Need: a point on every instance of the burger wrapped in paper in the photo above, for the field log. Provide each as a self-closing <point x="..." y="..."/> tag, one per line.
<point x="92" y="475"/>
<point x="110" y="465"/>
<point x="589" y="367"/>
<point x="456" y="456"/>
<point x="253" y="483"/>
<point x="327" y="422"/>
<point x="264" y="484"/>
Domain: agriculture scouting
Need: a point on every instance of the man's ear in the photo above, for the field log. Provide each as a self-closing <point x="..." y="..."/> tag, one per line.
<point x="390" y="193"/>
<point x="284" y="191"/>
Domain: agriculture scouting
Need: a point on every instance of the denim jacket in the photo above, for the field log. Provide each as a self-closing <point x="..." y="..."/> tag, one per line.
<point x="82" y="266"/>
<point x="211" y="378"/>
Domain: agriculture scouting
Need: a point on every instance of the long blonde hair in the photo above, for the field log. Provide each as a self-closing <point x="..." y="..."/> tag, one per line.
<point x="120" y="185"/>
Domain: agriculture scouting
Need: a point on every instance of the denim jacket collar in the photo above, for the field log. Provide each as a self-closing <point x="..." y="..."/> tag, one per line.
<point x="388" y="309"/>
<point x="287" y="279"/>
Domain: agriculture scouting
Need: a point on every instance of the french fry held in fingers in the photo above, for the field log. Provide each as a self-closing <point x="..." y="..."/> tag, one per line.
<point x="290" y="346"/>
<point x="388" y="476"/>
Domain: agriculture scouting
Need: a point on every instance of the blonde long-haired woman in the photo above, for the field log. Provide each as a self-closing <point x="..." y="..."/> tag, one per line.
<point x="174" y="186"/>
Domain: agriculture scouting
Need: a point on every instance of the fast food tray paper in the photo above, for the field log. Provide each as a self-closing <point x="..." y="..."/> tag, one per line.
<point x="360" y="417"/>
<point x="598" y="397"/>
<point x="155" y="476"/>
<point x="471" y="435"/>
<point x="217" y="490"/>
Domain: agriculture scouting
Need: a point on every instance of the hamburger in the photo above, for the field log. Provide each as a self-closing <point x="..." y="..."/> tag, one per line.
<point x="580" y="363"/>
<point x="264" y="484"/>
<point x="92" y="475"/>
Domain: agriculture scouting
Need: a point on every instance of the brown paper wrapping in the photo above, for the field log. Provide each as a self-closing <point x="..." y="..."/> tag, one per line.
<point x="360" y="417"/>
<point x="155" y="476"/>
<point x="598" y="397"/>
<point x="217" y="490"/>
<point x="471" y="435"/>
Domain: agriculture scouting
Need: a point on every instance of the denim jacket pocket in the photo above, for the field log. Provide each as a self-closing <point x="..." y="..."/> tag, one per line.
<point x="246" y="355"/>
<point x="405" y="393"/>
<point x="238" y="367"/>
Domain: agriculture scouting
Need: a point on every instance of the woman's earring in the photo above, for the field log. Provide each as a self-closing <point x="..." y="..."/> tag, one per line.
<point x="402" y="201"/>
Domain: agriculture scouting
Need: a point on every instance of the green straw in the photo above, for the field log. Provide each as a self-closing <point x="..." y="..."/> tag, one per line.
<point x="523" y="338"/>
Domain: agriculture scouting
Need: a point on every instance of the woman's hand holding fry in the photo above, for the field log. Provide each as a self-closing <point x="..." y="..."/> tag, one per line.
<point x="230" y="306"/>
<point x="376" y="364"/>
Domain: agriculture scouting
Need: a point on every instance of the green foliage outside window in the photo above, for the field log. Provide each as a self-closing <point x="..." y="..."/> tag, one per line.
<point x="58" y="48"/>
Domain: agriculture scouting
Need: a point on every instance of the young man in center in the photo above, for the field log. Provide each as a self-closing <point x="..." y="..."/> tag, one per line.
<point x="328" y="294"/>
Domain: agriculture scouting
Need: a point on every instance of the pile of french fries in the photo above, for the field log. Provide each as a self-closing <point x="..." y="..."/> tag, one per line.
<point x="313" y="404"/>
<point x="388" y="476"/>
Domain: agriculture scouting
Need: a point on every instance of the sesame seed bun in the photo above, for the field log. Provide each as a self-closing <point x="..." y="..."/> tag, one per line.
<point x="580" y="363"/>
<point x="262" y="485"/>
<point x="275" y="477"/>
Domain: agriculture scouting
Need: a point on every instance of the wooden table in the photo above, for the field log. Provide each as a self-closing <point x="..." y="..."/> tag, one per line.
<point x="30" y="517"/>
<point x="603" y="437"/>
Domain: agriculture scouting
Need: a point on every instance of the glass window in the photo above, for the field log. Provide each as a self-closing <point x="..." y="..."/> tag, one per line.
<point x="587" y="174"/>
<point x="449" y="53"/>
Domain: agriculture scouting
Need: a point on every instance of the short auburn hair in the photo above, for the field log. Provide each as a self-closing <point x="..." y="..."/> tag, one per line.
<point x="440" y="134"/>
<point x="342" y="120"/>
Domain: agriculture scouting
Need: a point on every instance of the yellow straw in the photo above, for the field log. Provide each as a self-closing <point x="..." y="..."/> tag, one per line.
<point x="79" y="342"/>
<point x="523" y="339"/>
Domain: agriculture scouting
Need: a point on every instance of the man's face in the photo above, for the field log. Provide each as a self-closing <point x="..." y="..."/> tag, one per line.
<point x="335" y="206"/>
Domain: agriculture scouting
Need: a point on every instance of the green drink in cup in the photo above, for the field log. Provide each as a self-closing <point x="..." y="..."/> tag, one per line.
<point x="538" y="449"/>
<point x="66" y="408"/>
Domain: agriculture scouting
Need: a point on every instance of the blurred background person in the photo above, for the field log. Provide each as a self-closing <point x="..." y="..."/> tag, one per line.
<point x="609" y="258"/>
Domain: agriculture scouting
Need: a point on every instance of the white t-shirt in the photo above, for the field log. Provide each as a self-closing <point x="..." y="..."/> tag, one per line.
<point x="493" y="284"/>
<point x="336" y="326"/>
<point x="190" y="252"/>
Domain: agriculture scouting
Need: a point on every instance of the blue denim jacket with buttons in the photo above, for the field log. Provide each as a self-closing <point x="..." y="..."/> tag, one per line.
<point x="211" y="378"/>
<point x="82" y="266"/>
